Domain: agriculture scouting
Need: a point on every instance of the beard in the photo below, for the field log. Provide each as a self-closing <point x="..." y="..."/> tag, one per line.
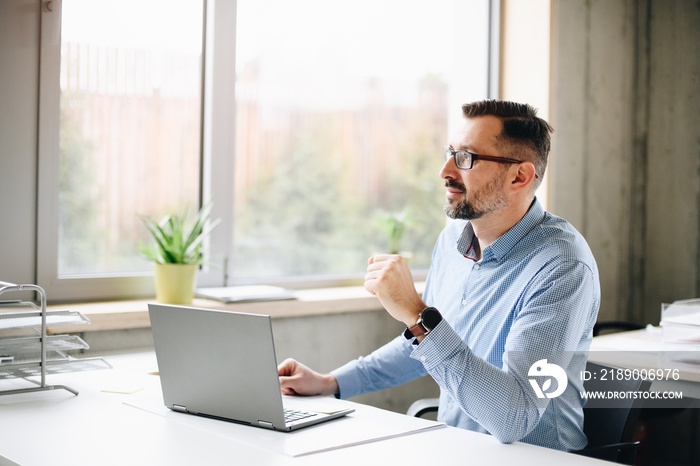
<point x="478" y="203"/>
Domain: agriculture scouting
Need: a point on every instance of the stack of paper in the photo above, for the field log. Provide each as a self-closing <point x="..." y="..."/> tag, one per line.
<point x="681" y="321"/>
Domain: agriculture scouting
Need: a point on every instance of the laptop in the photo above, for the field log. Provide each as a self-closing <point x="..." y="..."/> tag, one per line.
<point x="222" y="365"/>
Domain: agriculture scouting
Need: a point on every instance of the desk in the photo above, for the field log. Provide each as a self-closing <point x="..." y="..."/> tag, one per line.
<point x="98" y="428"/>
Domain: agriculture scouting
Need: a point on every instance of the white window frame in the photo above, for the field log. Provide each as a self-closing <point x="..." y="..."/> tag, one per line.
<point x="477" y="67"/>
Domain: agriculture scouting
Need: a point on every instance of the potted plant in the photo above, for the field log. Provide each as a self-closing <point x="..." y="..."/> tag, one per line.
<point x="394" y="225"/>
<point x="176" y="252"/>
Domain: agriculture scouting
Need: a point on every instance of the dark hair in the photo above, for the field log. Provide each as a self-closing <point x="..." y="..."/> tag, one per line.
<point x="523" y="134"/>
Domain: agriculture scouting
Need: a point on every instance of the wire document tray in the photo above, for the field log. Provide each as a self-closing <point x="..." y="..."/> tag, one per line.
<point x="32" y="345"/>
<point x="15" y="320"/>
<point x="12" y="371"/>
<point x="36" y="355"/>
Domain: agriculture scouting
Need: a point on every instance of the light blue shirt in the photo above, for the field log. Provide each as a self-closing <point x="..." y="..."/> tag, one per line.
<point x="534" y="294"/>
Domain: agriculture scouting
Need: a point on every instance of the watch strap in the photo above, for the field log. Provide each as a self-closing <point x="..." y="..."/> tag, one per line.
<point x="415" y="331"/>
<point x="419" y="328"/>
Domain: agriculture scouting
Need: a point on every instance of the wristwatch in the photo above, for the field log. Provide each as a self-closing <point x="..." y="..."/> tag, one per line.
<point x="428" y="319"/>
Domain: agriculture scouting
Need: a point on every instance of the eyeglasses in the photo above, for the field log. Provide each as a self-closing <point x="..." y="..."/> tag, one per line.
<point x="465" y="160"/>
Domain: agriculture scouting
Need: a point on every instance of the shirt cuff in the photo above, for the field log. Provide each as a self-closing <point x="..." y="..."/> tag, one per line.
<point x="348" y="380"/>
<point x="441" y="341"/>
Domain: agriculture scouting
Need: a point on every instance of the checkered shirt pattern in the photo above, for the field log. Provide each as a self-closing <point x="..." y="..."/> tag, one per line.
<point x="535" y="291"/>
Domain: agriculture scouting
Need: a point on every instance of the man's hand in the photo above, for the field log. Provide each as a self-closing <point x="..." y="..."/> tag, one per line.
<point x="297" y="379"/>
<point x="389" y="279"/>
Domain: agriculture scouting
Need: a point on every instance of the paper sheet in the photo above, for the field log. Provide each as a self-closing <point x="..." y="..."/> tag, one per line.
<point x="366" y="424"/>
<point x="249" y="293"/>
<point x="686" y="312"/>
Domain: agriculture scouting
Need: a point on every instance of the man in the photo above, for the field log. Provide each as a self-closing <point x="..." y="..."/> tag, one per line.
<point x="509" y="286"/>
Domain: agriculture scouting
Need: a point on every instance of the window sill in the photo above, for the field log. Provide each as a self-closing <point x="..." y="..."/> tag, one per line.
<point x="132" y="314"/>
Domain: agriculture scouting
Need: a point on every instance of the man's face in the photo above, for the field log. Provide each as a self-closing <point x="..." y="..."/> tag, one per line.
<point x="471" y="194"/>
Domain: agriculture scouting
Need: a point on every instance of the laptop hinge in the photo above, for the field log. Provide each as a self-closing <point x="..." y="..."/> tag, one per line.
<point x="266" y="424"/>
<point x="179" y="408"/>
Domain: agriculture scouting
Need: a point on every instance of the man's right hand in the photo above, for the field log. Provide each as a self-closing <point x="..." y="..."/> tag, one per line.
<point x="297" y="379"/>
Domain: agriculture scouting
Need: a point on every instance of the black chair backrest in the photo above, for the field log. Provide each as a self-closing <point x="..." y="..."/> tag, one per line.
<point x="607" y="421"/>
<point x="613" y="326"/>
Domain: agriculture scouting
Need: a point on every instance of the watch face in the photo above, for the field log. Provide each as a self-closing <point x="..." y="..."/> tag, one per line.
<point x="431" y="318"/>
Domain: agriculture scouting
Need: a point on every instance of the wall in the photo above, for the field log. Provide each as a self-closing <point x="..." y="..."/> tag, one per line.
<point x="524" y="61"/>
<point x="625" y="167"/>
<point x="19" y="83"/>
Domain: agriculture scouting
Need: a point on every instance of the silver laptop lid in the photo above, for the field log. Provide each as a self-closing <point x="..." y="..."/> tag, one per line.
<point x="217" y="363"/>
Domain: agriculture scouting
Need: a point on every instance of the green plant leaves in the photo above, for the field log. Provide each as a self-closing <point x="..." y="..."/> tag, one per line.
<point x="177" y="241"/>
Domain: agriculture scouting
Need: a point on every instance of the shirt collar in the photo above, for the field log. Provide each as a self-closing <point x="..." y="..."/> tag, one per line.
<point x="499" y="248"/>
<point x="466" y="242"/>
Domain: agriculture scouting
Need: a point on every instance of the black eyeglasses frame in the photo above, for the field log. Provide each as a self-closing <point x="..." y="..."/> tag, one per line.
<point x="450" y="152"/>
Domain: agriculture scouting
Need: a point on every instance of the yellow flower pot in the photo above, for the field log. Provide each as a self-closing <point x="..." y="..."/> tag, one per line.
<point x="175" y="283"/>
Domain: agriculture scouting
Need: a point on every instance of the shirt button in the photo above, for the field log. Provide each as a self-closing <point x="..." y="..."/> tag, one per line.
<point x="464" y="302"/>
<point x="477" y="266"/>
<point x="423" y="358"/>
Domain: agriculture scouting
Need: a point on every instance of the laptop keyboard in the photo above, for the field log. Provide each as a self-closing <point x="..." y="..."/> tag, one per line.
<point x="292" y="415"/>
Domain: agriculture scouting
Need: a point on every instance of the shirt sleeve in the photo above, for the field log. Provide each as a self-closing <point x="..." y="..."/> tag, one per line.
<point x="554" y="315"/>
<point x="387" y="367"/>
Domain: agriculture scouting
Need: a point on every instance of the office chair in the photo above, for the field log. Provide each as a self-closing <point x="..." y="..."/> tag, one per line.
<point x="613" y="326"/>
<point x="609" y="429"/>
<point x="648" y="417"/>
<point x="421" y="407"/>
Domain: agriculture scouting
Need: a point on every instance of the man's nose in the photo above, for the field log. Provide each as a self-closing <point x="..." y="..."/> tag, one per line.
<point x="449" y="169"/>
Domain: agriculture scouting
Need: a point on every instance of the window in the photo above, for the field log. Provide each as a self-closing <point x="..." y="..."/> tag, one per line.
<point x="330" y="116"/>
<point x="130" y="126"/>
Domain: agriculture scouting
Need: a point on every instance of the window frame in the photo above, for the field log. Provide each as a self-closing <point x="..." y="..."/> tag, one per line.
<point x="217" y="143"/>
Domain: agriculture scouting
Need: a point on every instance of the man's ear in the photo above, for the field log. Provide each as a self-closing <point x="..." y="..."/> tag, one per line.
<point x="524" y="176"/>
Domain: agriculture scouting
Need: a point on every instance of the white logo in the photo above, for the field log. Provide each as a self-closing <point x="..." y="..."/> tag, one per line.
<point x="544" y="369"/>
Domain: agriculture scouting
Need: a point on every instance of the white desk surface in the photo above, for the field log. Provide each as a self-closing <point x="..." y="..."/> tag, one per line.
<point x="98" y="428"/>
